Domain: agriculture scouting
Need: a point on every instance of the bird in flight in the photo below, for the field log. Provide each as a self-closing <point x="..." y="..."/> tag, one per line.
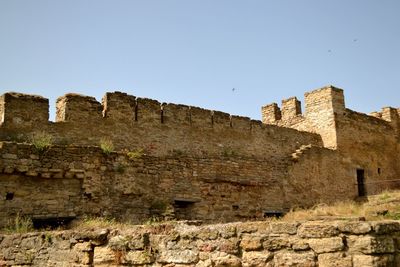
<point x="233" y="89"/>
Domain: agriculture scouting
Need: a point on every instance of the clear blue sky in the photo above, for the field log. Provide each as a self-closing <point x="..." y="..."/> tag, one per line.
<point x="195" y="52"/>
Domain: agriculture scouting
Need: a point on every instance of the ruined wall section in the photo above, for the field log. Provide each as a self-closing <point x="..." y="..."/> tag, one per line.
<point x="313" y="243"/>
<point x="139" y="123"/>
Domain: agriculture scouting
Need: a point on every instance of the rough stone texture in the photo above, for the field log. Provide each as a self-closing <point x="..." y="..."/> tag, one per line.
<point x="354" y="227"/>
<point x="323" y="245"/>
<point x="185" y="245"/>
<point x="372" y="244"/>
<point x="317" y="229"/>
<point x="374" y="261"/>
<point x="334" y="260"/>
<point x="181" y="162"/>
<point x="287" y="258"/>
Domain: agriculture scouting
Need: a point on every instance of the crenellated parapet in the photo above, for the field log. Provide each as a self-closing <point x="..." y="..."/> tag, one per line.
<point x="291" y="108"/>
<point x="78" y="108"/>
<point x="21" y="110"/>
<point x="325" y="111"/>
<point x="119" y="107"/>
<point x="140" y="123"/>
<point x="271" y="113"/>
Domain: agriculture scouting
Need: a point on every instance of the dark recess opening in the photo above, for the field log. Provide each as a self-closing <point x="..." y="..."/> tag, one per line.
<point x="379" y="170"/>
<point x="360" y="182"/>
<point x="51" y="223"/>
<point x="9" y="196"/>
<point x="183" y="209"/>
<point x="235" y="207"/>
<point x="273" y="214"/>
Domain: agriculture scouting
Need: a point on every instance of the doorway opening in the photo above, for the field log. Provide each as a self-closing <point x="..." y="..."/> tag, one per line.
<point x="361" y="182"/>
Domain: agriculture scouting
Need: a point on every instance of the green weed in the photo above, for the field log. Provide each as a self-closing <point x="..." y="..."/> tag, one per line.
<point x="136" y="154"/>
<point x="41" y="141"/>
<point x="106" y="145"/>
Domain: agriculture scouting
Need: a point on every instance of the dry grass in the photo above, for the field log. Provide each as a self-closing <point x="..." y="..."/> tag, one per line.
<point x="19" y="224"/>
<point x="383" y="206"/>
<point x="379" y="207"/>
<point x="97" y="222"/>
<point x="340" y="209"/>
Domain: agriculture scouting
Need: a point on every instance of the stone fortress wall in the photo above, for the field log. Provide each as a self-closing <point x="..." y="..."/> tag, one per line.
<point x="315" y="243"/>
<point x="369" y="143"/>
<point x="197" y="163"/>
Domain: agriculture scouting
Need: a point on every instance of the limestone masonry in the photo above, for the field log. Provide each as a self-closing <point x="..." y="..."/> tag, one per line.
<point x="176" y="161"/>
<point x="251" y="244"/>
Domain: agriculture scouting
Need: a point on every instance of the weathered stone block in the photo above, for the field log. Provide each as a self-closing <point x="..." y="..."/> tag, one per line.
<point x="338" y="259"/>
<point x="275" y="243"/>
<point x="230" y="246"/>
<point x="284" y="228"/>
<point x="299" y="244"/>
<point x="208" y="234"/>
<point x="288" y="258"/>
<point x="178" y="256"/>
<point x="138" y="241"/>
<point x="374" y="261"/>
<point x="205" y="263"/>
<point x="371" y="244"/>
<point x="138" y="257"/>
<point x="354" y="227"/>
<point x="323" y="245"/>
<point x="223" y="260"/>
<point x="385" y="227"/>
<point x="251" y="242"/>
<point x="103" y="255"/>
<point x="256" y="258"/>
<point x="118" y="242"/>
<point x="251" y="227"/>
<point x="317" y="230"/>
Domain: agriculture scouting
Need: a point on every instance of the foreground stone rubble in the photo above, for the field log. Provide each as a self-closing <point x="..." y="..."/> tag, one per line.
<point x="313" y="243"/>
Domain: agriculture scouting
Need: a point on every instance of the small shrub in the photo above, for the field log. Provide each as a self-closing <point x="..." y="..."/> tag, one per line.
<point x="20" y="224"/>
<point x="48" y="238"/>
<point x="41" y="141"/>
<point x="136" y="154"/>
<point x="106" y="146"/>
